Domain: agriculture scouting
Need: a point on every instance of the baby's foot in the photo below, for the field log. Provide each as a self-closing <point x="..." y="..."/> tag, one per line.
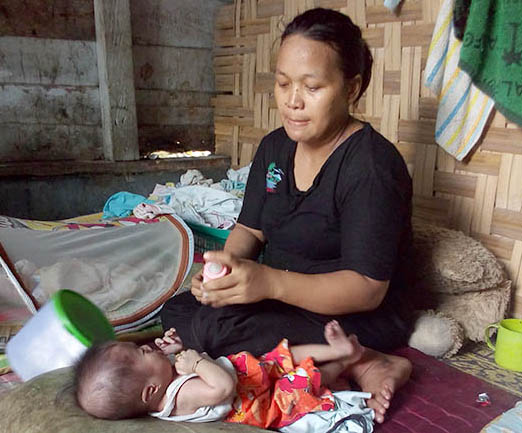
<point x="381" y="375"/>
<point x="346" y="346"/>
<point x="170" y="343"/>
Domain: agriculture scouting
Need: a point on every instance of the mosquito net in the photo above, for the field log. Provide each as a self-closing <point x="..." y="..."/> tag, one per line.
<point x="126" y="267"/>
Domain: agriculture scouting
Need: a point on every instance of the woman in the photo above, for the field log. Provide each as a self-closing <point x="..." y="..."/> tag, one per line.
<point x="329" y="200"/>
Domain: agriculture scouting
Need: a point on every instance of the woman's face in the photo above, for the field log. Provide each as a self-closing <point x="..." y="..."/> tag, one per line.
<point x="311" y="92"/>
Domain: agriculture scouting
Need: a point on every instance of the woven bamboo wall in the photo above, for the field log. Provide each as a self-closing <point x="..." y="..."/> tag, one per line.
<point x="481" y="196"/>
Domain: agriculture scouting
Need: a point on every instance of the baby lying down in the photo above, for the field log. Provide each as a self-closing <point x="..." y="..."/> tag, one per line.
<point x="118" y="380"/>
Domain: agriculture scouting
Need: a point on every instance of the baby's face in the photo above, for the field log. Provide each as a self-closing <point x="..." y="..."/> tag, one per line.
<point x="148" y="363"/>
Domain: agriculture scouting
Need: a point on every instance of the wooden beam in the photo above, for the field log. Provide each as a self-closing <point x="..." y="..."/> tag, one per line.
<point x="62" y="168"/>
<point x="116" y="77"/>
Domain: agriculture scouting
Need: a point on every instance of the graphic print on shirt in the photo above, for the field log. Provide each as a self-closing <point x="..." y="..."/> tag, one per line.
<point x="274" y="175"/>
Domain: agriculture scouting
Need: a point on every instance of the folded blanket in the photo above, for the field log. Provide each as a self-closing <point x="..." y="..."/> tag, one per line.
<point x="463" y="108"/>
<point x="492" y="53"/>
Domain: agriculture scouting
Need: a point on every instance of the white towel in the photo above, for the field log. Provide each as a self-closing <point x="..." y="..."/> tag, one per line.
<point x="463" y="108"/>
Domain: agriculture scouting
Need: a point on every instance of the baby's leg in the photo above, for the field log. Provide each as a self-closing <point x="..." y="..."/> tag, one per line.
<point x="339" y="347"/>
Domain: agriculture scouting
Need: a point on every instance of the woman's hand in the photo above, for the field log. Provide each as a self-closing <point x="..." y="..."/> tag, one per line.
<point x="246" y="283"/>
<point x="197" y="281"/>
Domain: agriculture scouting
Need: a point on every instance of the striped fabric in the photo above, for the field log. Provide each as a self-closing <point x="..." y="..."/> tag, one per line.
<point x="463" y="108"/>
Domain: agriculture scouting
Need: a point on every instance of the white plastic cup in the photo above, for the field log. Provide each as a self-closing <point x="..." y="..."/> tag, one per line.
<point x="57" y="335"/>
<point x="213" y="270"/>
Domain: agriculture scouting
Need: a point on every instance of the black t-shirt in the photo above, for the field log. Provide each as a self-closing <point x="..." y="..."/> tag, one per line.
<point x="355" y="216"/>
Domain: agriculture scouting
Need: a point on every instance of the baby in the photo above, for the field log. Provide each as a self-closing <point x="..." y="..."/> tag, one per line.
<point x="118" y="380"/>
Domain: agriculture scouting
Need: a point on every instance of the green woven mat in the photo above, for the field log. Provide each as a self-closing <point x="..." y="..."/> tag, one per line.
<point x="478" y="360"/>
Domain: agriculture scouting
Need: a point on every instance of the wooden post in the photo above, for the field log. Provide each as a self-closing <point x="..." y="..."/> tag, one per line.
<point x="116" y="76"/>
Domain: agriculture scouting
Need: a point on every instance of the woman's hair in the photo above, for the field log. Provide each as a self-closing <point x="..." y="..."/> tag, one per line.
<point x="107" y="388"/>
<point x="338" y="31"/>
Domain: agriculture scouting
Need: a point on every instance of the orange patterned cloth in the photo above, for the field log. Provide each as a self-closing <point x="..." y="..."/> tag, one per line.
<point x="273" y="392"/>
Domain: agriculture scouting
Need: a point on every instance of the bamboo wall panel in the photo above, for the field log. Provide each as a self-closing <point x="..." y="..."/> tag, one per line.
<point x="481" y="196"/>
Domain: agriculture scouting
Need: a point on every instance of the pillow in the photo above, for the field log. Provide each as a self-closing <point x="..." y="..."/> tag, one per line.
<point x="448" y="261"/>
<point x="46" y="404"/>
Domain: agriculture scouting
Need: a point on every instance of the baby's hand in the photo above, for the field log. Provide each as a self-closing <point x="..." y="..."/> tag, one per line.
<point x="170" y="342"/>
<point x="185" y="361"/>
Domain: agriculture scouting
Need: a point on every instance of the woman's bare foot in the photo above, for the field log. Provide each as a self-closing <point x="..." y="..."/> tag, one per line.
<point x="381" y="375"/>
<point x="347" y="346"/>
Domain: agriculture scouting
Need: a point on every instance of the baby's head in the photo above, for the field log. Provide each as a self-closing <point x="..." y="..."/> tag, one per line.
<point x="116" y="380"/>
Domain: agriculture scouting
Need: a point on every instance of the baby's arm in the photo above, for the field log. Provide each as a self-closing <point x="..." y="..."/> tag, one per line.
<point x="170" y="342"/>
<point x="212" y="386"/>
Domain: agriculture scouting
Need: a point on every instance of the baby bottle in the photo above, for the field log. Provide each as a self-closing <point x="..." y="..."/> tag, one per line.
<point x="213" y="270"/>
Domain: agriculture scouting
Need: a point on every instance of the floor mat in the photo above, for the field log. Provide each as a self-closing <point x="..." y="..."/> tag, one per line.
<point x="442" y="399"/>
<point x="479" y="360"/>
<point x="437" y="399"/>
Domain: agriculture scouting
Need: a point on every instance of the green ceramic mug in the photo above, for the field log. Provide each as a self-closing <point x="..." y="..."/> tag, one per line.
<point x="508" y="345"/>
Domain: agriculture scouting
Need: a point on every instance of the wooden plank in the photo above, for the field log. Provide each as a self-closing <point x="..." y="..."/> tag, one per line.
<point x="516" y="309"/>
<point x="51" y="168"/>
<point x="408" y="151"/>
<point x="503" y="140"/>
<point x="428" y="108"/>
<point x="235" y="121"/>
<point x="223" y="129"/>
<point x="417" y="35"/>
<point x="269" y="8"/>
<point x="503" y="180"/>
<point x="482" y="162"/>
<point x="50" y="105"/>
<point x="116" y="76"/>
<point x="177" y="98"/>
<point x="374" y="37"/>
<point x="264" y="82"/>
<point x="392" y="83"/>
<point x="175" y="23"/>
<point x="232" y="69"/>
<point x="392" y="46"/>
<point x="167" y="115"/>
<point x="225" y="82"/>
<point x="57" y="19"/>
<point x="461" y="213"/>
<point x="410" y="11"/>
<point x="47" y="62"/>
<point x="40" y="142"/>
<point x="507" y="223"/>
<point x="501" y="246"/>
<point x="227" y="61"/>
<point x="406" y="79"/>
<point x="515" y="185"/>
<point x="428" y="169"/>
<point x="330" y="4"/>
<point x="431" y="209"/>
<point x="251" y="134"/>
<point x="377" y="81"/>
<point x="255" y="27"/>
<point x="478" y="207"/>
<point x="514" y="266"/>
<point x="233" y="41"/>
<point x="234" y="112"/>
<point x="225" y="17"/>
<point x="489" y="204"/>
<point x="176" y="138"/>
<point x="226" y="101"/>
<point x="452" y="183"/>
<point x="172" y="68"/>
<point x="417" y="131"/>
